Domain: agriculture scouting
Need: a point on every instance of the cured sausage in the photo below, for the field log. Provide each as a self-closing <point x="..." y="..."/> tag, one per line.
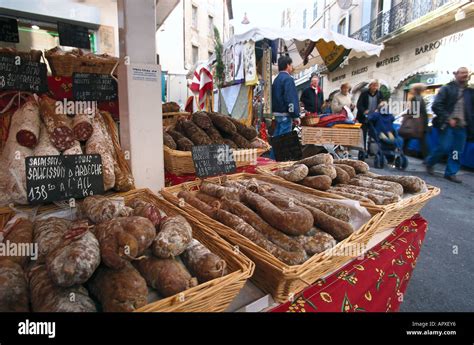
<point x="74" y="260"/>
<point x="290" y="220"/>
<point x="321" y="182"/>
<point x="28" y="131"/>
<point x="240" y="226"/>
<point x="323" y="169"/>
<point x="121" y="290"/>
<point x="13" y="287"/>
<point x="202" y="120"/>
<point x="76" y="149"/>
<point x="99" y="209"/>
<point x="98" y="144"/>
<point x="411" y="184"/>
<point x="19" y="233"/>
<point x="223" y="123"/>
<point x="316" y="241"/>
<point x="57" y="124"/>
<point x="48" y="234"/>
<point x="294" y="173"/>
<point x="198" y="204"/>
<point x="174" y="236"/>
<point x="347" y="168"/>
<point x="204" y="264"/>
<point x="168" y="276"/>
<point x="48" y="297"/>
<point x="321" y="158"/>
<point x="253" y="219"/>
<point x="351" y="196"/>
<point x="341" y="176"/>
<point x="398" y="190"/>
<point x="359" y="166"/>
<point x="82" y="127"/>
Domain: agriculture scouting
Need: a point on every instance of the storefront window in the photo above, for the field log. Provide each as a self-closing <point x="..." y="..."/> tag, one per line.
<point x="42" y="36"/>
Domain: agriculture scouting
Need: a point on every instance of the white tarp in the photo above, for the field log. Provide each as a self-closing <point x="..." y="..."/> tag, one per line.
<point x="295" y="38"/>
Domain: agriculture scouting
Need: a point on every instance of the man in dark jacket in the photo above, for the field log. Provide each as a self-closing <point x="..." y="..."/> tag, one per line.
<point x="367" y="103"/>
<point x="285" y="104"/>
<point x="454" y="111"/>
<point x="313" y="97"/>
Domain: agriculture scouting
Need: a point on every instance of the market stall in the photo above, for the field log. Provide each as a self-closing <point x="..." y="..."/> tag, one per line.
<point x="325" y="48"/>
<point x="67" y="189"/>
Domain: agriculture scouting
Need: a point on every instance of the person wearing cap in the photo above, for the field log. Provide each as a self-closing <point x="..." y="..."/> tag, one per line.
<point x="342" y="99"/>
<point x="454" y="109"/>
<point x="367" y="103"/>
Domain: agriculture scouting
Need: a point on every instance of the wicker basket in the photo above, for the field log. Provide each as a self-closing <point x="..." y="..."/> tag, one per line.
<point x="212" y="296"/>
<point x="272" y="275"/>
<point x="67" y="64"/>
<point x="181" y="162"/>
<point x="32" y="55"/>
<point x="394" y="213"/>
<point x="334" y="136"/>
<point x="170" y="119"/>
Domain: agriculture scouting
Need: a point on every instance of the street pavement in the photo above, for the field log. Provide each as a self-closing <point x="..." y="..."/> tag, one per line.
<point x="443" y="279"/>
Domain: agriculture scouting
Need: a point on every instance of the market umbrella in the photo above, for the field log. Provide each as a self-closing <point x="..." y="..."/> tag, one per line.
<point x="308" y="47"/>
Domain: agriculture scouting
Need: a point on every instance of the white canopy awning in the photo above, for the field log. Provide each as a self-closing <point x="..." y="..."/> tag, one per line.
<point x="298" y="41"/>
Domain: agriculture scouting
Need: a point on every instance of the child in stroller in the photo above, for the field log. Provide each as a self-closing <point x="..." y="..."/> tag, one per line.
<point x="384" y="141"/>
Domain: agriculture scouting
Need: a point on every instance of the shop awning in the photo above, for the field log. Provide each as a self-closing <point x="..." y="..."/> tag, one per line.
<point x="311" y="47"/>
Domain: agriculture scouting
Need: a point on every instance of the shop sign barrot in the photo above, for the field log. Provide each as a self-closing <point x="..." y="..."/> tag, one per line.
<point x="438" y="43"/>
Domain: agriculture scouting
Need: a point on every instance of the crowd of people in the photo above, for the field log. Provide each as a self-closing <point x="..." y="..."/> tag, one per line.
<point x="453" y="109"/>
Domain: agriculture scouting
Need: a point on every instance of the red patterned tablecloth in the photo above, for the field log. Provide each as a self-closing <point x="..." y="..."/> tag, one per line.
<point x="173" y="180"/>
<point x="376" y="283"/>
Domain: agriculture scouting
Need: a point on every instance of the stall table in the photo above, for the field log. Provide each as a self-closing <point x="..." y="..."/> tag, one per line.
<point x="375" y="284"/>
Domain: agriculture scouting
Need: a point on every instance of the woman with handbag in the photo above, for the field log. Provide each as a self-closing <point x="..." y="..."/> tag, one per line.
<point x="415" y="121"/>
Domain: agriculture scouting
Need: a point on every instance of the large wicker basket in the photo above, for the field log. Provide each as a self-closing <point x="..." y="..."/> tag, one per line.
<point x="181" y="162"/>
<point x="272" y="275"/>
<point x="67" y="64"/>
<point x="212" y="296"/>
<point x="334" y="136"/>
<point x="394" y="213"/>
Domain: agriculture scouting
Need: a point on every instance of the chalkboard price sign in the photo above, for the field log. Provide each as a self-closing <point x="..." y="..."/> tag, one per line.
<point x="212" y="160"/>
<point x="287" y="147"/>
<point x="22" y="75"/>
<point x="9" y="30"/>
<point x="93" y="87"/>
<point x="56" y="178"/>
<point x="73" y="36"/>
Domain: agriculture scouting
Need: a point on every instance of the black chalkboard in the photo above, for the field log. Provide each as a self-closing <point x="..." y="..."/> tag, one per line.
<point x="212" y="160"/>
<point x="9" y="30"/>
<point x="93" y="87"/>
<point x="22" y="75"/>
<point x="287" y="147"/>
<point x="56" y="178"/>
<point x="73" y="36"/>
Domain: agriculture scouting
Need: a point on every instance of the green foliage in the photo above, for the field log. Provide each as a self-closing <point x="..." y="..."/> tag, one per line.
<point x="218" y="49"/>
<point x="386" y="93"/>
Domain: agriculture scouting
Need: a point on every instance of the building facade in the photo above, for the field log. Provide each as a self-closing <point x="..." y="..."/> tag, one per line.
<point x="187" y="37"/>
<point x="424" y="40"/>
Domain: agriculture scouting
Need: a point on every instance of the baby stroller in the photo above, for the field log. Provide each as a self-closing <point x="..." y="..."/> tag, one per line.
<point x="384" y="141"/>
